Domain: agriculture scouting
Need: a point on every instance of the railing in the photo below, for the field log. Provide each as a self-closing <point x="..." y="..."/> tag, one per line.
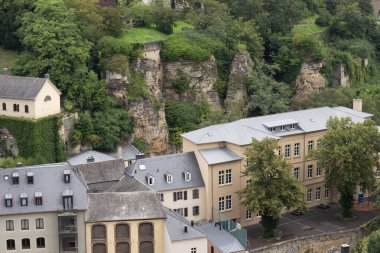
<point x="68" y="229"/>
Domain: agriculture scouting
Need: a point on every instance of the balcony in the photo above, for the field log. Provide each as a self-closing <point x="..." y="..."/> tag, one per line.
<point x="67" y="224"/>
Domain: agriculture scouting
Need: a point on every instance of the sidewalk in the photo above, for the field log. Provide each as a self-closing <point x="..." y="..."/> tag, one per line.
<point x="313" y="222"/>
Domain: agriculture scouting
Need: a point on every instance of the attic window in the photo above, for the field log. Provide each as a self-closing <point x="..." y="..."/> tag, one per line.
<point x="15" y="178"/>
<point x="187" y="176"/>
<point x="24" y="199"/>
<point x="66" y="176"/>
<point x="150" y="180"/>
<point x="8" y="200"/>
<point x="47" y="98"/>
<point x="169" y="178"/>
<point x="282" y="128"/>
<point x="38" y="198"/>
<point x="272" y="129"/>
<point x="292" y="126"/>
<point x="142" y="167"/>
<point x="29" y="177"/>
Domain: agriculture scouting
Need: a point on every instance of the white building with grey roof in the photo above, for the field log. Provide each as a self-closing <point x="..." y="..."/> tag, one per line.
<point x="28" y="97"/>
<point x="42" y="209"/>
<point x="177" y="178"/>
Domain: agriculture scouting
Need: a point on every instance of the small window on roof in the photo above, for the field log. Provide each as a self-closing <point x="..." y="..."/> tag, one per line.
<point x="142" y="167"/>
<point x="169" y="178"/>
<point x="272" y="129"/>
<point x="292" y="126"/>
<point x="150" y="180"/>
<point x="66" y="176"/>
<point x="187" y="176"/>
<point x="282" y="128"/>
<point x="29" y="177"/>
<point x="47" y="98"/>
<point x="15" y="178"/>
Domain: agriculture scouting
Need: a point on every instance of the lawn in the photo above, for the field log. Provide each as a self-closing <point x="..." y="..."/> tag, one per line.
<point x="179" y="25"/>
<point x="142" y="35"/>
<point x="7" y="58"/>
<point x="307" y="26"/>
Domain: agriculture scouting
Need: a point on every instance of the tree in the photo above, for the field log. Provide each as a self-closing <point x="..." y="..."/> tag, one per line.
<point x="272" y="185"/>
<point x="348" y="154"/>
<point x="374" y="242"/>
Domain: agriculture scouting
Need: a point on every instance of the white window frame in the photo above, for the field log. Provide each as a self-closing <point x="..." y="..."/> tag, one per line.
<point x="9" y="225"/>
<point x="279" y="150"/>
<point x="169" y="178"/>
<point x="229" y="202"/>
<point x="318" y="193"/>
<point x="296" y="173"/>
<point x="310" y="171"/>
<point x="327" y="192"/>
<point x="296" y="150"/>
<point x="287" y="151"/>
<point x="282" y="128"/>
<point x="248" y="215"/>
<point x="221" y="177"/>
<point x="310" y="145"/>
<point x="228" y="178"/>
<point x="309" y="195"/>
<point x="187" y="176"/>
<point x="150" y="180"/>
<point x="292" y="126"/>
<point x="193" y="250"/>
<point x="221" y="204"/>
<point x="319" y="171"/>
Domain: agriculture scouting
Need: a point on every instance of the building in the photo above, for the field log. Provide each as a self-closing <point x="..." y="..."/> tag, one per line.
<point x="43" y="209"/>
<point x="220" y="151"/>
<point x="89" y="156"/>
<point x="128" y="153"/>
<point x="27" y="97"/>
<point x="125" y="222"/>
<point x="100" y="176"/>
<point x="177" y="179"/>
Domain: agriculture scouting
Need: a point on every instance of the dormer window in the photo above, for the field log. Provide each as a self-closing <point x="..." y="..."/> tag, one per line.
<point x="272" y="129"/>
<point x="150" y="180"/>
<point x="292" y="126"/>
<point x="169" y="178"/>
<point x="67" y="199"/>
<point x="66" y="176"/>
<point x="282" y="128"/>
<point x="8" y="200"/>
<point x="23" y="199"/>
<point x="187" y="176"/>
<point x="142" y="167"/>
<point x="29" y="177"/>
<point x="38" y="198"/>
<point x="15" y="178"/>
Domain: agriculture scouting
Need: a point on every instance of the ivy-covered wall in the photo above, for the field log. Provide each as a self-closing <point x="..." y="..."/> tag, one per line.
<point x="37" y="139"/>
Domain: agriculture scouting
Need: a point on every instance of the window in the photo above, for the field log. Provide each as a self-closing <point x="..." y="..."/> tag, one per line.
<point x="296" y="149"/>
<point x="319" y="172"/>
<point x="150" y="180"/>
<point x="99" y="248"/>
<point x="67" y="202"/>
<point x="187" y="176"/>
<point x="318" y="193"/>
<point x="228" y="176"/>
<point x="11" y="245"/>
<point x="196" y="194"/>
<point x="308" y="197"/>
<point x="161" y="197"/>
<point x="4" y="106"/>
<point x="185" y="212"/>
<point x="282" y="128"/>
<point x="195" y="210"/>
<point x="310" y="145"/>
<point x="146" y="231"/>
<point x="169" y="178"/>
<point x="47" y="98"/>
<point x="38" y="198"/>
<point x="287" y="151"/>
<point x="228" y="202"/>
<point x="40" y="242"/>
<point x="122" y="232"/>
<point x="279" y="150"/>
<point x="248" y="215"/>
<point x="24" y="224"/>
<point x="29" y="177"/>
<point x="122" y="247"/>
<point x="146" y="247"/>
<point x="272" y="129"/>
<point x="193" y="250"/>
<point x="179" y="210"/>
<point x="15" y="178"/>
<point x="221" y="177"/>
<point x="26" y="109"/>
<point x="98" y="232"/>
<point x="23" y="199"/>
<point x="16" y="107"/>
<point x="69" y="243"/>
<point x="178" y="196"/>
<point x="327" y="192"/>
<point x="66" y="176"/>
<point x="297" y="173"/>
<point x="221" y="204"/>
<point x="8" y="200"/>
<point x="310" y="171"/>
<point x="25" y="243"/>
<point x="39" y="223"/>
<point x="292" y="126"/>
<point x="9" y="225"/>
<point x="319" y="141"/>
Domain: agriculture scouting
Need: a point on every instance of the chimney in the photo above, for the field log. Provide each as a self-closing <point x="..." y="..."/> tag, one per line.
<point x="345" y="248"/>
<point x="185" y="229"/>
<point x="357" y="104"/>
<point x="19" y="164"/>
<point x="5" y="71"/>
<point x="140" y="156"/>
<point x="192" y="223"/>
<point x="47" y="76"/>
<point x="90" y="159"/>
<point x="119" y="152"/>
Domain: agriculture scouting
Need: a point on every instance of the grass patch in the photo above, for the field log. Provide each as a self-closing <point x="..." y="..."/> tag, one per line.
<point x="307" y="26"/>
<point x="7" y="58"/>
<point x="142" y="35"/>
<point x="241" y="46"/>
<point x="179" y="25"/>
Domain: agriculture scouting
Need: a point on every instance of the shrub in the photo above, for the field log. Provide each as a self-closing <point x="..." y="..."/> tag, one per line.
<point x="140" y="145"/>
<point x="181" y="85"/>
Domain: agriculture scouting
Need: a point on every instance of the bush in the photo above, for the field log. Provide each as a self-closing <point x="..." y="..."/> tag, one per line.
<point x="140" y="145"/>
<point x="181" y="85"/>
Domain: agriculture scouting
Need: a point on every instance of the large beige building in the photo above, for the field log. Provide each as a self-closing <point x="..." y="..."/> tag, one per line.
<point x="220" y="151"/>
<point x="27" y="97"/>
<point x="42" y="209"/>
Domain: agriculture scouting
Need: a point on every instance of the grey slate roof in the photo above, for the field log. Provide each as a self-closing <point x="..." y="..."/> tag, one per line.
<point x="242" y="131"/>
<point x="82" y="157"/>
<point x="223" y="240"/>
<point x="175" y="224"/>
<point x="127" y="152"/>
<point x="128" y="184"/>
<point x="100" y="176"/>
<point x="48" y="180"/>
<point x="175" y="164"/>
<point x="219" y="155"/>
<point x="122" y="206"/>
<point x="21" y="87"/>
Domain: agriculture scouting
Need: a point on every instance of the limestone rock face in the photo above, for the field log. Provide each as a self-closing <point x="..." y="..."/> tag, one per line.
<point x="308" y="81"/>
<point x="116" y="84"/>
<point x="241" y="68"/>
<point x="202" y="78"/>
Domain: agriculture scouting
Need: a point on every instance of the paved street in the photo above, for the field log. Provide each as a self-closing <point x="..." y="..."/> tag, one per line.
<point x="314" y="221"/>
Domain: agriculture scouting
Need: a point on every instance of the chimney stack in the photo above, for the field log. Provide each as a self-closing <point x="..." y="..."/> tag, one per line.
<point x="140" y="156"/>
<point x="185" y="229"/>
<point x="90" y="159"/>
<point x="47" y="76"/>
<point x="357" y="104"/>
<point x="345" y="248"/>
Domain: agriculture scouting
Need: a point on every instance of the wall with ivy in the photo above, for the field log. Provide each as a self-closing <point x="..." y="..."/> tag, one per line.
<point x="39" y="139"/>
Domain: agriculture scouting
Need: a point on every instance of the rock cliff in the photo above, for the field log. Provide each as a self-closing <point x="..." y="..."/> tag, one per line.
<point x="309" y="80"/>
<point x="202" y="78"/>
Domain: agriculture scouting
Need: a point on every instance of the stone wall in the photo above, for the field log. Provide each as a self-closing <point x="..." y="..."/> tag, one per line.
<point x="316" y="243"/>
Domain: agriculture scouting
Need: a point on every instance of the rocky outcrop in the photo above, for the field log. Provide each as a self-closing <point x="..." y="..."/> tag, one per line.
<point x="202" y="78"/>
<point x="308" y="81"/>
<point x="241" y="68"/>
<point x="116" y="84"/>
<point x="68" y="122"/>
<point x="340" y="77"/>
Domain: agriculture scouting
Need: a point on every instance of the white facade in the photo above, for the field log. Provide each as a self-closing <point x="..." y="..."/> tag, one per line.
<point x="197" y="245"/>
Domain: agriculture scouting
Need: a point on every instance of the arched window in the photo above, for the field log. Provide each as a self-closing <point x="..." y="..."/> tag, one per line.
<point x="146" y="232"/>
<point x="146" y="247"/>
<point x="122" y="232"/>
<point x="16" y="107"/>
<point x="47" y="98"/>
<point x="122" y="247"/>
<point x="25" y="243"/>
<point x="98" y="232"/>
<point x="26" y="108"/>
<point x="40" y="242"/>
<point x="4" y="106"/>
<point x="99" y="248"/>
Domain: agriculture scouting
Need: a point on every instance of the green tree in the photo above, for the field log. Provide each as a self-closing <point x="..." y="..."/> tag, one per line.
<point x="272" y="185"/>
<point x="348" y="154"/>
<point x="328" y="97"/>
<point x="374" y="242"/>
<point x="53" y="44"/>
<point x="164" y="19"/>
